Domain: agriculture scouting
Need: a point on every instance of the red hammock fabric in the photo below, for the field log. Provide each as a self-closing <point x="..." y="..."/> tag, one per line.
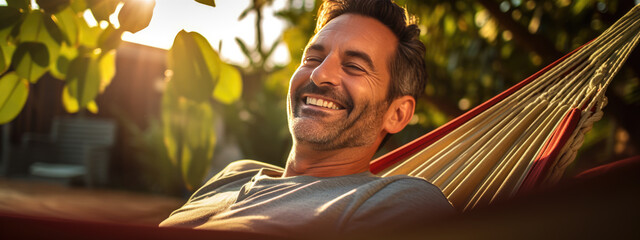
<point x="550" y="151"/>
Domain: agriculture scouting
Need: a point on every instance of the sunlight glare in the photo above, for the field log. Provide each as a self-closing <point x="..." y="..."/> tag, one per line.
<point x="89" y="18"/>
<point x="215" y="24"/>
<point x="113" y="18"/>
<point x="104" y="24"/>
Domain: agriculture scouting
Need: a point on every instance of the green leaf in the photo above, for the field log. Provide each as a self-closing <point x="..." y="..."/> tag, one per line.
<point x="83" y="79"/>
<point x="3" y="62"/>
<point x="32" y="27"/>
<point x="6" y="50"/>
<point x="101" y="9"/>
<point x="211" y="57"/>
<point x="58" y="68"/>
<point x="9" y="16"/>
<point x="31" y="60"/>
<point x="40" y="28"/>
<point x="207" y="2"/>
<point x="53" y="6"/>
<point x="52" y="28"/>
<point x="244" y="13"/>
<point x="110" y="38"/>
<point x="22" y="4"/>
<point x="136" y="15"/>
<point x="229" y="87"/>
<point x="189" y="135"/>
<point x="67" y="21"/>
<point x="171" y="136"/>
<point x="88" y="36"/>
<point x="92" y="107"/>
<point x="245" y="50"/>
<point x="107" y="68"/>
<point x="195" y="66"/>
<point x="201" y="139"/>
<point x="69" y="102"/>
<point x="13" y="95"/>
<point x="79" y="6"/>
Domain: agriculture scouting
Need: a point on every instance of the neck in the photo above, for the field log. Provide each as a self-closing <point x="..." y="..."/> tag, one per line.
<point x="307" y="161"/>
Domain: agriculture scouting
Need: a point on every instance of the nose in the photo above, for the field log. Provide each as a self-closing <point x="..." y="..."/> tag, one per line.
<point x="327" y="73"/>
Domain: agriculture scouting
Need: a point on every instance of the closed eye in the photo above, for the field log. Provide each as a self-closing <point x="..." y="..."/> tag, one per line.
<point x="309" y="60"/>
<point x="354" y="69"/>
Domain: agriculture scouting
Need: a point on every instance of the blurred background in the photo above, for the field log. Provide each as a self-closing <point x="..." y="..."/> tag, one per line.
<point x="475" y="50"/>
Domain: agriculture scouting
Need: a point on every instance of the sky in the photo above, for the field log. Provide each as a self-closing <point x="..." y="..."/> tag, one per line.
<point x="216" y="24"/>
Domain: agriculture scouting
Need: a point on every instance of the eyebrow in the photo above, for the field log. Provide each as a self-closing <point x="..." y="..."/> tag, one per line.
<point x="363" y="56"/>
<point x="316" y="47"/>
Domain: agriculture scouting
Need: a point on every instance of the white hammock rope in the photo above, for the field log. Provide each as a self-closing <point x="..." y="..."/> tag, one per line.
<point x="488" y="157"/>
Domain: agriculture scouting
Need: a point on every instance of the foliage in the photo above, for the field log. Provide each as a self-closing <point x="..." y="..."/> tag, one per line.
<point x="198" y="75"/>
<point x="13" y="94"/>
<point x="157" y="173"/>
<point x="56" y="38"/>
<point x="258" y="121"/>
<point x="472" y="56"/>
<point x="179" y="147"/>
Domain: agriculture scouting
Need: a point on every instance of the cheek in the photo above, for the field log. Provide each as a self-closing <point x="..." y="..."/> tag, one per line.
<point x="299" y="77"/>
<point x="361" y="91"/>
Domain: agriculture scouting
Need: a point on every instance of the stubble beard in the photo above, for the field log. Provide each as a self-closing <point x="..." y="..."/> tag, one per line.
<point x="358" y="129"/>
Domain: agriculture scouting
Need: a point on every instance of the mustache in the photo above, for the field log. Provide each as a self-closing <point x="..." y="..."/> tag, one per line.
<point x="340" y="96"/>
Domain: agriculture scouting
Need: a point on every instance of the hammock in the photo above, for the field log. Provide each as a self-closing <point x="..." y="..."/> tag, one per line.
<point x="525" y="137"/>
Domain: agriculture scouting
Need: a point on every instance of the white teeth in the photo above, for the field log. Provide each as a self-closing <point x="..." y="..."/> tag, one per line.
<point x="321" y="103"/>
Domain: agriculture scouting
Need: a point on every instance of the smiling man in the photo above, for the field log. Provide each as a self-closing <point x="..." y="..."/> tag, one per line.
<point x="357" y="82"/>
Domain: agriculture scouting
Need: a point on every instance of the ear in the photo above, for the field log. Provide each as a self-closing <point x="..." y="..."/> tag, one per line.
<point x="399" y="114"/>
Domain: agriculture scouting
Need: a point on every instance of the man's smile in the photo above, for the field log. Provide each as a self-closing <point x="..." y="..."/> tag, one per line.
<point x="321" y="102"/>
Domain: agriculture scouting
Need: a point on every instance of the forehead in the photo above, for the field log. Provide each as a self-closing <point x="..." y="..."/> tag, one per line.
<point x="360" y="33"/>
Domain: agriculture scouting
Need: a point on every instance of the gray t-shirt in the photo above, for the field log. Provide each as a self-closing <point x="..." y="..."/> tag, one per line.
<point x="251" y="196"/>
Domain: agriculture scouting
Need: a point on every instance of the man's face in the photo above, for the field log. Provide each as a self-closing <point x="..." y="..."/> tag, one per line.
<point x="337" y="96"/>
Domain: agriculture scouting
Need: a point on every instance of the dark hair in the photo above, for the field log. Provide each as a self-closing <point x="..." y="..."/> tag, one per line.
<point x="407" y="66"/>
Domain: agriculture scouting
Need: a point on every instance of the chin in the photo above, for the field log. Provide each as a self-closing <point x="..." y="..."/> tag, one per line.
<point x="305" y="130"/>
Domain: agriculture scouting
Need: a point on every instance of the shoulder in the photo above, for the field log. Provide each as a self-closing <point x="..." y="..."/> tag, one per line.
<point x="401" y="201"/>
<point x="413" y="190"/>
<point x="406" y="196"/>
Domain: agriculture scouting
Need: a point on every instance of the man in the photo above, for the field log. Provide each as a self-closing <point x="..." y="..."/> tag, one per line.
<point x="357" y="82"/>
